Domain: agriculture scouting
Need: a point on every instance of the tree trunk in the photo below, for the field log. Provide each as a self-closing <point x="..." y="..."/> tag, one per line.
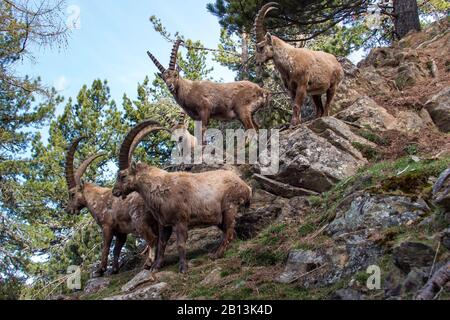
<point x="406" y="17"/>
<point x="244" y="56"/>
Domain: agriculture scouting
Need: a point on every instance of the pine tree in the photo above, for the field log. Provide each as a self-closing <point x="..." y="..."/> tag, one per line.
<point x="20" y="228"/>
<point x="25" y="107"/>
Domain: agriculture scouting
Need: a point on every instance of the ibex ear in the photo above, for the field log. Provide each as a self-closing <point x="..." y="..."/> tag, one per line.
<point x="82" y="184"/>
<point x="268" y="38"/>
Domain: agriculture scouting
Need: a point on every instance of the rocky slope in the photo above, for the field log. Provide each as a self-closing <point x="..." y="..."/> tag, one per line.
<point x="369" y="186"/>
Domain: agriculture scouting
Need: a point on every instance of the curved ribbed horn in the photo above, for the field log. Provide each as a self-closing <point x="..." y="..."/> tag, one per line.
<point x="86" y="163"/>
<point x="156" y="62"/>
<point x="126" y="144"/>
<point x="141" y="135"/>
<point x="260" y="31"/>
<point x="174" y="54"/>
<point x="70" y="176"/>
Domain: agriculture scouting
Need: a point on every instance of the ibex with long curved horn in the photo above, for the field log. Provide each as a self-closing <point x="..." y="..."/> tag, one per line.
<point x="180" y="200"/>
<point x="116" y="217"/>
<point x="303" y="71"/>
<point x="205" y="100"/>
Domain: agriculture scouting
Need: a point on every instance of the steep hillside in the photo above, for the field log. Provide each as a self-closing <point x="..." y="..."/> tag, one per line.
<point x="365" y="187"/>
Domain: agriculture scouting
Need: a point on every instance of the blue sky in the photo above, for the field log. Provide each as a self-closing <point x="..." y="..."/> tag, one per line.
<point x="112" y="41"/>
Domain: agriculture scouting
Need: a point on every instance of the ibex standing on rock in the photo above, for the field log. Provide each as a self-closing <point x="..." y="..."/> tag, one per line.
<point x="116" y="217"/>
<point x="180" y="200"/>
<point x="205" y="100"/>
<point x="303" y="71"/>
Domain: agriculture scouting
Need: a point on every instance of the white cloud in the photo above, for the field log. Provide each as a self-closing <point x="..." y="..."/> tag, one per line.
<point x="61" y="83"/>
<point x="74" y="17"/>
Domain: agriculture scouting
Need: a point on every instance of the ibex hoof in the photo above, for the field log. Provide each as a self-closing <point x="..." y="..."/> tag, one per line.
<point x="183" y="269"/>
<point x="155" y="268"/>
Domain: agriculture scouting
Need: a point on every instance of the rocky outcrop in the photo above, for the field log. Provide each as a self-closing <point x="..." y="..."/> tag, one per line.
<point x="96" y="284"/>
<point x="407" y="75"/>
<point x="403" y="65"/>
<point x="323" y="267"/>
<point x="152" y="292"/>
<point x="409" y="255"/>
<point x="410" y="121"/>
<point x="378" y="212"/>
<point x="441" y="190"/>
<point x="439" y="109"/>
<point x="281" y="189"/>
<point x="411" y="71"/>
<point x="318" y="156"/>
<point x="355" y="233"/>
<point x="265" y="209"/>
<point x="340" y="135"/>
<point x="445" y="238"/>
<point x="142" y="277"/>
<point x="347" y="294"/>
<point x="365" y="112"/>
<point x="359" y="82"/>
<point x="299" y="264"/>
<point x="213" y="277"/>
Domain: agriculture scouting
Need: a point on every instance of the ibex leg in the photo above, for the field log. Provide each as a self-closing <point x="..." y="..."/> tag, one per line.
<point x="330" y="96"/>
<point x="228" y="225"/>
<point x="247" y="121"/>
<point x="107" y="239"/>
<point x="151" y="254"/>
<point x="319" y="106"/>
<point x="298" y="103"/>
<point x="182" y="233"/>
<point x="164" y="236"/>
<point x="121" y="238"/>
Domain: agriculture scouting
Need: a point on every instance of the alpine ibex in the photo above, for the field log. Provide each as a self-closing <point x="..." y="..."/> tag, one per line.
<point x="186" y="142"/>
<point x="180" y="200"/>
<point x="116" y="217"/>
<point x="205" y="100"/>
<point x="303" y="71"/>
